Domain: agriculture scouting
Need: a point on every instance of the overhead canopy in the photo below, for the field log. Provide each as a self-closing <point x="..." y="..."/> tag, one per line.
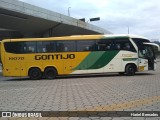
<point x="32" y="21"/>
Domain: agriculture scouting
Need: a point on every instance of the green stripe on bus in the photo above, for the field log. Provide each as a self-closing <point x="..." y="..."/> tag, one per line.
<point x="96" y="60"/>
<point x="130" y="59"/>
<point x="89" y="60"/>
<point x="104" y="59"/>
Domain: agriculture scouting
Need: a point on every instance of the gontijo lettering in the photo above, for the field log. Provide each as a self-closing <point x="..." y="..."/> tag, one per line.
<point x="54" y="56"/>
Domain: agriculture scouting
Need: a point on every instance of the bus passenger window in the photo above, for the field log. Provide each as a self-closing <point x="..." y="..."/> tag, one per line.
<point x="88" y="45"/>
<point x="127" y="46"/>
<point x="49" y="48"/>
<point x="118" y="46"/>
<point x="124" y="44"/>
<point x="66" y="46"/>
<point x="29" y="47"/>
<point x="15" y="47"/>
<point x="60" y="47"/>
<point x="43" y="49"/>
<point x="24" y="49"/>
<point x="101" y="47"/>
<point x="46" y="46"/>
<point x="105" y="45"/>
<point x="108" y="47"/>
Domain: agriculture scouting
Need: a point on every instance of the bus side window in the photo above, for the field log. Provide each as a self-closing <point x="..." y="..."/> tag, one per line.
<point x="65" y="49"/>
<point x="30" y="47"/>
<point x="118" y="46"/>
<point x="104" y="45"/>
<point x="39" y="47"/>
<point x="101" y="47"/>
<point x="127" y="46"/>
<point x="66" y="46"/>
<point x="86" y="45"/>
<point x="60" y="47"/>
<point x="108" y="47"/>
<point x="124" y="44"/>
<point x="46" y="46"/>
<point x="43" y="49"/>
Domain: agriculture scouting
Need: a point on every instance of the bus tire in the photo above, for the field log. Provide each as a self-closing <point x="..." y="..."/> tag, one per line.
<point x="35" y="73"/>
<point x="50" y="73"/>
<point x="130" y="70"/>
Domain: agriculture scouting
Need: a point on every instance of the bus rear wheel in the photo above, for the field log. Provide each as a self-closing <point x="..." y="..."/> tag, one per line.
<point x="130" y="70"/>
<point x="35" y="74"/>
<point x="50" y="73"/>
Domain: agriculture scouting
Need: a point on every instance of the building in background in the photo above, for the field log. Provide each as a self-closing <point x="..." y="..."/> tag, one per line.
<point x="19" y="19"/>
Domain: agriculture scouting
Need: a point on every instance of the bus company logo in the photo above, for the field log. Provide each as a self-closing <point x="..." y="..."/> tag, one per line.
<point x="54" y="56"/>
<point x="6" y="114"/>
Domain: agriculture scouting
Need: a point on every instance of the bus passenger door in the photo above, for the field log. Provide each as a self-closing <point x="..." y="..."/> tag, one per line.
<point x="151" y="49"/>
<point x="147" y="58"/>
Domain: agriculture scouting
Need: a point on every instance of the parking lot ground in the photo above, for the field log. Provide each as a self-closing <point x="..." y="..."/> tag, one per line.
<point x="109" y="92"/>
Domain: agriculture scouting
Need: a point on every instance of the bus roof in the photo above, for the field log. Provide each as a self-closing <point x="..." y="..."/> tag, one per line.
<point x="126" y="36"/>
<point x="77" y="37"/>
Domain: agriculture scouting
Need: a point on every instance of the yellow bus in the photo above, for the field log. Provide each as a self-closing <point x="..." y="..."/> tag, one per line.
<point x="81" y="54"/>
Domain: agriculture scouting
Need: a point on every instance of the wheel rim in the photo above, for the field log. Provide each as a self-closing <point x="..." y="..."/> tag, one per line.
<point x="35" y="74"/>
<point x="50" y="74"/>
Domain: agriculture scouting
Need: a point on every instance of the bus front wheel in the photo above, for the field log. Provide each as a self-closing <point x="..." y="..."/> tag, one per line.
<point x="50" y="73"/>
<point x="130" y="70"/>
<point x="35" y="73"/>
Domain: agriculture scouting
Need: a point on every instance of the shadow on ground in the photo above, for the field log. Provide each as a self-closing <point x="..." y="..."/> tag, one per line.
<point x="78" y="76"/>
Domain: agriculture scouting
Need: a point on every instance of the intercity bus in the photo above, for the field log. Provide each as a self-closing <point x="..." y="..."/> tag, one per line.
<point x="80" y="54"/>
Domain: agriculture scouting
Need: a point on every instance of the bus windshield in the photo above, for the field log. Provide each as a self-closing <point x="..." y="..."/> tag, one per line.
<point x="146" y="52"/>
